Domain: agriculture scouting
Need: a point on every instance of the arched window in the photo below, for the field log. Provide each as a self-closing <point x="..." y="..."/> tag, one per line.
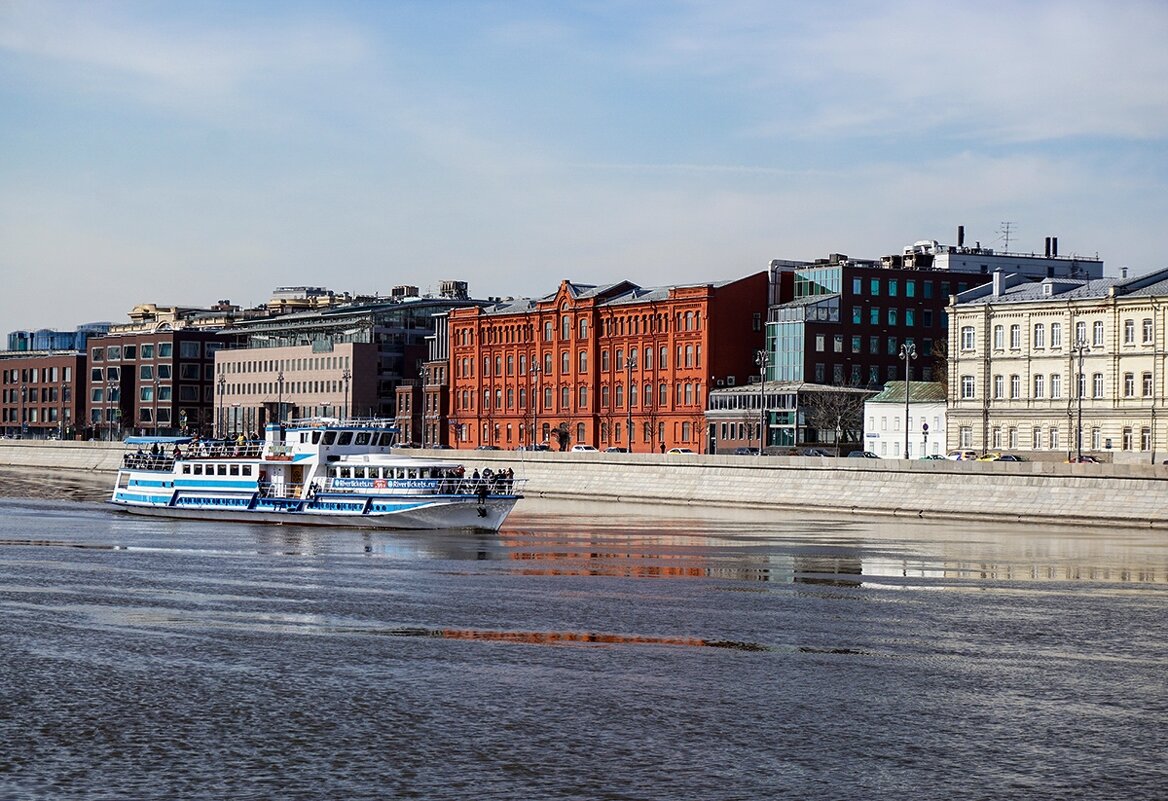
<point x="620" y="396"/>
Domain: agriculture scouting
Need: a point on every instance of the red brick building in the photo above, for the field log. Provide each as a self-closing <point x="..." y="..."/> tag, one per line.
<point x="42" y="394"/>
<point x="602" y="365"/>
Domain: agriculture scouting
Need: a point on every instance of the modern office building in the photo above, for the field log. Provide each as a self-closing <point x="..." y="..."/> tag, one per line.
<point x="345" y="360"/>
<point x="608" y="366"/>
<point x="1061" y="366"/>
<point x="797" y="417"/>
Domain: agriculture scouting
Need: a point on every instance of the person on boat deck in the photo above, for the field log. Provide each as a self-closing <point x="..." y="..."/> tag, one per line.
<point x="483" y="491"/>
<point x="177" y="452"/>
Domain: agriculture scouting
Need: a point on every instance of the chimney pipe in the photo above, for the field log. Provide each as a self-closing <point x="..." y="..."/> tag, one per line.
<point x="961" y="236"/>
<point x="1054" y="246"/>
<point x="997" y="283"/>
<point x="1048" y="247"/>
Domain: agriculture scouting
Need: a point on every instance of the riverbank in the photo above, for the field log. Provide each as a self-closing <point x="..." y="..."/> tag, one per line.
<point x="1040" y="492"/>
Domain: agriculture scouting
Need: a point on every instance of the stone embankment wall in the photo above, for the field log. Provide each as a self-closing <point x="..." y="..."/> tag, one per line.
<point x="1047" y="492"/>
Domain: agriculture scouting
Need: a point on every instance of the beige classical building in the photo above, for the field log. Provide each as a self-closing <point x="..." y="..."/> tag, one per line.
<point x="1032" y="365"/>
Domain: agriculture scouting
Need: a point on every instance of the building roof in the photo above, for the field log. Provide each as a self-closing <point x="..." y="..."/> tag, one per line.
<point x="1016" y="289"/>
<point x="787" y="386"/>
<point x="920" y="391"/>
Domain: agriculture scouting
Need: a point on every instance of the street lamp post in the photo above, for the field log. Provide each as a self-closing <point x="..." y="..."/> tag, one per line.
<point x="629" y="365"/>
<point x="762" y="359"/>
<point x="534" y="401"/>
<point x="222" y="408"/>
<point x="345" y="376"/>
<point x="155" y="414"/>
<point x="21" y="427"/>
<point x="1081" y="347"/>
<point x="908" y="352"/>
<point x="280" y="397"/>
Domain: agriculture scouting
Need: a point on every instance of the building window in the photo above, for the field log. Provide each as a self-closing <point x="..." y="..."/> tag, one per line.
<point x="857" y="343"/>
<point x="874" y="287"/>
<point x="874" y="315"/>
<point x="1012" y="438"/>
<point x="820" y="341"/>
<point x="1127" y="438"/>
<point x="1056" y="335"/>
<point x="565" y="362"/>
<point x="565" y="398"/>
<point x="583" y="401"/>
<point x="999" y="386"/>
<point x="999" y="337"/>
<point x="1129" y="332"/>
<point x="583" y="328"/>
<point x="967" y="337"/>
<point x="1097" y="333"/>
<point x="1039" y="335"/>
<point x="583" y="358"/>
<point x="1015" y="386"/>
<point x="1056" y="386"/>
<point x="967" y="387"/>
<point x="1015" y="337"/>
<point x="1081" y="332"/>
<point x="1039" y="386"/>
<point x="1054" y="438"/>
<point x="1096" y="439"/>
<point x="1145" y="439"/>
<point x="965" y="437"/>
<point x="839" y="343"/>
<point x="1097" y="385"/>
<point x="1036" y="435"/>
<point x="604" y="396"/>
<point x="1129" y="385"/>
<point x="1146" y="381"/>
<point x="996" y="437"/>
<point x="565" y="327"/>
<point x="857" y="314"/>
<point x="1147" y="328"/>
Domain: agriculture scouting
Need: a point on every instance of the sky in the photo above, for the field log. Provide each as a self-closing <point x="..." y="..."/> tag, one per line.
<point x="181" y="153"/>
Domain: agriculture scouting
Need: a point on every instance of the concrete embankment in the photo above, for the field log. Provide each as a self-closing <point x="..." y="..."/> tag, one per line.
<point x="1046" y="492"/>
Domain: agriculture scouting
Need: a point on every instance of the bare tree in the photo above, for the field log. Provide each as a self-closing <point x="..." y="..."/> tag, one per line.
<point x="836" y="409"/>
<point x="940" y="356"/>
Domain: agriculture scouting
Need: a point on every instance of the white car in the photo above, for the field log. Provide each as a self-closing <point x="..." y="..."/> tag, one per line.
<point x="582" y="448"/>
<point x="680" y="450"/>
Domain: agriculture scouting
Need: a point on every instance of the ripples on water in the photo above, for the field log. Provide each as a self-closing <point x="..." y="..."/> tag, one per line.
<point x="585" y="652"/>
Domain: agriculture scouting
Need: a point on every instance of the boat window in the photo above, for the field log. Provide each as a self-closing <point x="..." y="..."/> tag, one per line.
<point x="330" y="437"/>
<point x="363" y="438"/>
<point x="344" y="472"/>
<point x="345" y="438"/>
<point x="198" y="470"/>
<point x="315" y="437"/>
<point x="247" y="469"/>
<point x="235" y="470"/>
<point x="222" y="469"/>
<point x="186" y="469"/>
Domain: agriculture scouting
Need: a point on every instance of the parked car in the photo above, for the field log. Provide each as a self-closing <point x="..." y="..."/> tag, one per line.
<point x="746" y="451"/>
<point x="862" y="455"/>
<point x="962" y="456"/>
<point x="616" y="449"/>
<point x="1084" y="459"/>
<point x="680" y="450"/>
<point x="934" y="456"/>
<point x="488" y="448"/>
<point x="814" y="452"/>
<point x="583" y="448"/>
<point x="991" y="456"/>
<point x="1010" y="457"/>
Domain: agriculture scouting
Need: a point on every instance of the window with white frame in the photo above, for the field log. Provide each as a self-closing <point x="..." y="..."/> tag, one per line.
<point x="999" y="386"/>
<point x="965" y="437"/>
<point x="1015" y="386"/>
<point x="1056" y="335"/>
<point x="967" y="387"/>
<point x="967" y="337"/>
<point x="1129" y="332"/>
<point x="1097" y="385"/>
<point x="1096" y="438"/>
<point x="1080" y="332"/>
<point x="1097" y="333"/>
<point x="1039" y="335"/>
<point x="1012" y="438"/>
<point x="1054" y="438"/>
<point x="1147" y="329"/>
<point x="1039" y="386"/>
<point x="1146" y="382"/>
<point x="1056" y="386"/>
<point x="1036" y="438"/>
<point x="999" y="337"/>
<point x="1015" y="337"/>
<point x="1129" y="385"/>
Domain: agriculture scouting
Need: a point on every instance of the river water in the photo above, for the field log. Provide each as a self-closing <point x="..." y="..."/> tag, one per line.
<point x="585" y="652"/>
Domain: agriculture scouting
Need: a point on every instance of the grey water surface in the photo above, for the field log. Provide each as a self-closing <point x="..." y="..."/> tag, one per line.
<point x="584" y="652"/>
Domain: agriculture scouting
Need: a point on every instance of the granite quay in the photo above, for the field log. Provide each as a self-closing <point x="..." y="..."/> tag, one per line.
<point x="1043" y="492"/>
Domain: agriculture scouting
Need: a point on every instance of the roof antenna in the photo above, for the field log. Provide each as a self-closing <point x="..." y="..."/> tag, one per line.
<point x="1005" y="231"/>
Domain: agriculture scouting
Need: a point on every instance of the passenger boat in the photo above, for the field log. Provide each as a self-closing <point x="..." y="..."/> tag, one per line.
<point x="318" y="472"/>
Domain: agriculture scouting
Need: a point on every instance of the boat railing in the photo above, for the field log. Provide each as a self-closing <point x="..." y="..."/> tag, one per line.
<point x="148" y="461"/>
<point x="251" y="449"/>
<point x="285" y="490"/>
<point x="427" y="486"/>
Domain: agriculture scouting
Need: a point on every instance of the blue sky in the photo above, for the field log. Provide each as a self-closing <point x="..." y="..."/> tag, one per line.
<point x="182" y="153"/>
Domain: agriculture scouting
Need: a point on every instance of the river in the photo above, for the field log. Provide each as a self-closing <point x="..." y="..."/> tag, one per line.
<point x="584" y="652"/>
